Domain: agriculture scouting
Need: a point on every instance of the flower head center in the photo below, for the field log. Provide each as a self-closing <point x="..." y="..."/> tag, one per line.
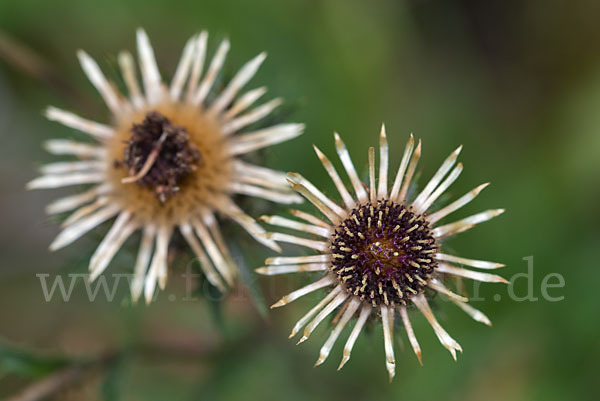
<point x="383" y="253"/>
<point x="159" y="155"/>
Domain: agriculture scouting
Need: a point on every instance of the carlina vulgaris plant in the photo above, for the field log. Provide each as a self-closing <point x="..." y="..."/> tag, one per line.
<point x="378" y="253"/>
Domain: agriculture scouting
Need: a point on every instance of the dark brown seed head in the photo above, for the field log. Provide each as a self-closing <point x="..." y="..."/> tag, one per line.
<point x="159" y="155"/>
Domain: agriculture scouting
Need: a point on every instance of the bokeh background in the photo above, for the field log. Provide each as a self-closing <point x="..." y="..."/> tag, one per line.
<point x="517" y="83"/>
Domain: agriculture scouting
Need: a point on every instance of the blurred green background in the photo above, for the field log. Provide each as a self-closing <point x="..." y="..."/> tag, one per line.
<point x="518" y="83"/>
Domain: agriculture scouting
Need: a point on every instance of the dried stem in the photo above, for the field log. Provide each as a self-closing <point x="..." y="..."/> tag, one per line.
<point x="49" y="385"/>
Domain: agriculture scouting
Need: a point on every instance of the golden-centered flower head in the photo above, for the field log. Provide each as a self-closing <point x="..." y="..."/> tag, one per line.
<point x="169" y="159"/>
<point x="379" y="253"/>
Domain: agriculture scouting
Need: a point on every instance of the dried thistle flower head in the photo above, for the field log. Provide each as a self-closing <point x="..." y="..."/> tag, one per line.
<point x="170" y="159"/>
<point x="380" y="254"/>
